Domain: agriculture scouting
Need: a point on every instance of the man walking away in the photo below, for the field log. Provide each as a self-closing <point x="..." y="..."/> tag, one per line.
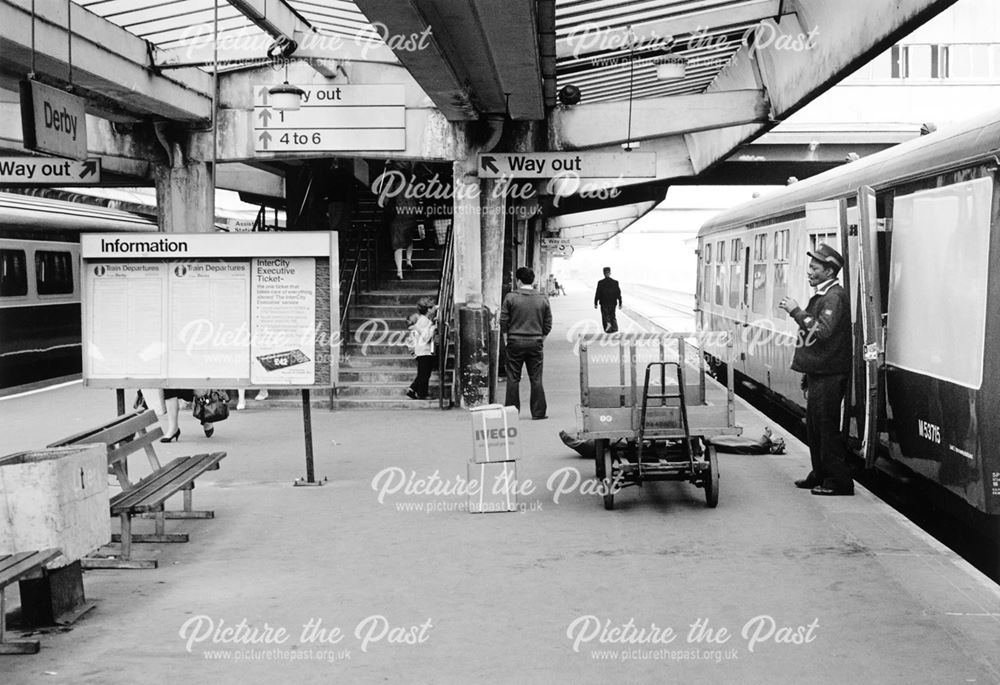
<point x="823" y="354"/>
<point x="525" y="320"/>
<point x="607" y="295"/>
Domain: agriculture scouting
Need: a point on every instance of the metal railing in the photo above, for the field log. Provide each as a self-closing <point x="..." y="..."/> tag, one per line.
<point x="446" y="319"/>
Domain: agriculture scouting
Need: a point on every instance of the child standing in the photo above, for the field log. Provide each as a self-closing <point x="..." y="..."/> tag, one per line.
<point x="422" y="339"/>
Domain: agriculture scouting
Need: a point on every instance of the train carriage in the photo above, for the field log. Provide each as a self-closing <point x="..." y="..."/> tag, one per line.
<point x="919" y="244"/>
<point x="40" y="283"/>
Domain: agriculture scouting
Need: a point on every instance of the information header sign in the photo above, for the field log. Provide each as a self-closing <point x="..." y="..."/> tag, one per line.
<point x="201" y="310"/>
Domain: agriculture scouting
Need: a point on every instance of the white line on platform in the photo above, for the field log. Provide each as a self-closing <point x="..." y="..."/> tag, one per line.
<point x="38" y="390"/>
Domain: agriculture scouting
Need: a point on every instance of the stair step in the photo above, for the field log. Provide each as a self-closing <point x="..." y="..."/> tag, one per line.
<point x="355" y="361"/>
<point x="406" y="297"/>
<point x="381" y="390"/>
<point x="386" y="374"/>
<point x="391" y="283"/>
<point x="384" y="403"/>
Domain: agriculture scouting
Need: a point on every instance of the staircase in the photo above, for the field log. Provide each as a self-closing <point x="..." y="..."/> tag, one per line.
<point x="376" y="367"/>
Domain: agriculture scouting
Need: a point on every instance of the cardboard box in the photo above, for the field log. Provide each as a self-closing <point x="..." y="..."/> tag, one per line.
<point x="495" y="434"/>
<point x="495" y="489"/>
<point x="55" y="497"/>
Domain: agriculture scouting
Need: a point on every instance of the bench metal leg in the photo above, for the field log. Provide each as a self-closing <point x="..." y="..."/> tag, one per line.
<point x="161" y="534"/>
<point x="187" y="512"/>
<point x="14" y="646"/>
<point x="124" y="559"/>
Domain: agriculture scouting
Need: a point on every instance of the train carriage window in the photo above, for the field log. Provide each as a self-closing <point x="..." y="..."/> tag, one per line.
<point x="720" y="272"/>
<point x="758" y="301"/>
<point x="780" y="283"/>
<point x="707" y="273"/>
<point x="830" y="239"/>
<point x="53" y="272"/>
<point x="13" y="273"/>
<point x="735" y="271"/>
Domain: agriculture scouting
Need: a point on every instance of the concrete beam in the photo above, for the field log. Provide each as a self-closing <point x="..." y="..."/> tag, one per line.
<point x="799" y="63"/>
<point x="593" y="37"/>
<point x="428" y="64"/>
<point x="244" y="178"/>
<point x="597" y="217"/>
<point x="607" y="123"/>
<point x="108" y="62"/>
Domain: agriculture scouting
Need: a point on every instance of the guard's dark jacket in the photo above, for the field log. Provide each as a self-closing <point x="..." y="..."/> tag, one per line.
<point x="608" y="293"/>
<point x="824" y="343"/>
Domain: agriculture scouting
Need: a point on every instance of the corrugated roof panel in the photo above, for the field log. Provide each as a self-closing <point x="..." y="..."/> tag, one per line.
<point x="603" y="73"/>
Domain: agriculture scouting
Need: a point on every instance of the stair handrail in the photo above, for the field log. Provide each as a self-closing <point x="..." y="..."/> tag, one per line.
<point x="347" y="300"/>
<point x="446" y="316"/>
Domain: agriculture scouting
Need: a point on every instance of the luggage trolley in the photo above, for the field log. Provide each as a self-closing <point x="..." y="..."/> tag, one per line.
<point x="665" y="432"/>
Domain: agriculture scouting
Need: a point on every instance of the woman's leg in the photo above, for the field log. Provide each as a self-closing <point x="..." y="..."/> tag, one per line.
<point x="173" y="410"/>
<point x="409" y="255"/>
<point x="398" y="256"/>
<point x="241" y="403"/>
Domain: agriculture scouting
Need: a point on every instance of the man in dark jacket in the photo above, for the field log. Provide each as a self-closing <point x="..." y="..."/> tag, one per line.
<point x="607" y="295"/>
<point x="823" y="354"/>
<point x="525" y="320"/>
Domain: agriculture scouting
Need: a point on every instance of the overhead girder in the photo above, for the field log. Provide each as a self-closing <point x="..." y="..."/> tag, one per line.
<point x="788" y="68"/>
<point x="606" y="123"/>
<point x="110" y="66"/>
<point x="471" y="58"/>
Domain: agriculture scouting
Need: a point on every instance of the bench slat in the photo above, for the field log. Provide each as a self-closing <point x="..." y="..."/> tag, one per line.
<point x="126" y="448"/>
<point x="150" y="492"/>
<point x="14" y="566"/>
<point x="112" y="432"/>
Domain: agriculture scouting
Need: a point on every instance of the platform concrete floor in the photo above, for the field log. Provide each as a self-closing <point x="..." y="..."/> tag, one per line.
<point x="808" y="589"/>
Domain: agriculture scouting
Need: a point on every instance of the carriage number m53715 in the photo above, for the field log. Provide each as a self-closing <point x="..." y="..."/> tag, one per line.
<point x="929" y="431"/>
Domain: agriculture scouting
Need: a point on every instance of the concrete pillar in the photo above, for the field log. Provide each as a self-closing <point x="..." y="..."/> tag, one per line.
<point x="466" y="226"/>
<point x="494" y="205"/>
<point x="185" y="196"/>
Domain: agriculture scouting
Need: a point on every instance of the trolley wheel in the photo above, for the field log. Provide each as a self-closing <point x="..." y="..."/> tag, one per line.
<point x="605" y="471"/>
<point x="609" y="495"/>
<point x="599" y="447"/>
<point x="711" y="477"/>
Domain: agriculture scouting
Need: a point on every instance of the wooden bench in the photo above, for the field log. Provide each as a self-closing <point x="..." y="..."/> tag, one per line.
<point x="127" y="435"/>
<point x="14" y="567"/>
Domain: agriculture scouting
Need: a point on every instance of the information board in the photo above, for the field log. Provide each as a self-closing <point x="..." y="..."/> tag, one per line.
<point x="196" y="310"/>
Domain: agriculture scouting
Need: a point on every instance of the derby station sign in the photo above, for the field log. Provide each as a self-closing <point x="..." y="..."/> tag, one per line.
<point x="53" y="121"/>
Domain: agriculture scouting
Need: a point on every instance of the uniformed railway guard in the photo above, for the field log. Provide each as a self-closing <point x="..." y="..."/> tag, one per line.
<point x="823" y="354"/>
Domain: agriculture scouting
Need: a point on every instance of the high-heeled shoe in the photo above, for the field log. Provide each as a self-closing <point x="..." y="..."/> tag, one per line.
<point x="209" y="429"/>
<point x="172" y="437"/>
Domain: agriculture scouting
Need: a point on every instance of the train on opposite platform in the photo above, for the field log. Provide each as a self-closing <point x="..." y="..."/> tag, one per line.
<point x="40" y="283"/>
<point x="919" y="226"/>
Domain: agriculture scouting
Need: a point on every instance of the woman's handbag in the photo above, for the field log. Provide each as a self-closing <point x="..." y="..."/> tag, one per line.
<point x="212" y="406"/>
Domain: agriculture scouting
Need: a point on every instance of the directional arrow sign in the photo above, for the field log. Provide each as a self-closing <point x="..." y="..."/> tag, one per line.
<point x="333" y="117"/>
<point x="582" y="164"/>
<point x="49" y="171"/>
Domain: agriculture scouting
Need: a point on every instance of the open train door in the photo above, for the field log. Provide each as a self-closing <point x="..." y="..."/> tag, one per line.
<point x="870" y="318"/>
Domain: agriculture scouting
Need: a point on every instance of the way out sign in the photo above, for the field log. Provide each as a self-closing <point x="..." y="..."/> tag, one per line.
<point x="578" y="164"/>
<point x="49" y="171"/>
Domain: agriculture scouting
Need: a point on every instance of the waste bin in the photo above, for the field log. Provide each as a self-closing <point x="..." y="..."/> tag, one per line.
<point x="55" y="497"/>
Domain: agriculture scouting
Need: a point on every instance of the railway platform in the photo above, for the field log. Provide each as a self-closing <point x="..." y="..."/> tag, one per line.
<point x="381" y="575"/>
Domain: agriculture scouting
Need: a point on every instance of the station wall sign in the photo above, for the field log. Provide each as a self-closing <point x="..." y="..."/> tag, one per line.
<point x="559" y="247"/>
<point x="333" y="118"/>
<point x="581" y="164"/>
<point x="49" y="171"/>
<point x="202" y="310"/>
<point x="53" y="121"/>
